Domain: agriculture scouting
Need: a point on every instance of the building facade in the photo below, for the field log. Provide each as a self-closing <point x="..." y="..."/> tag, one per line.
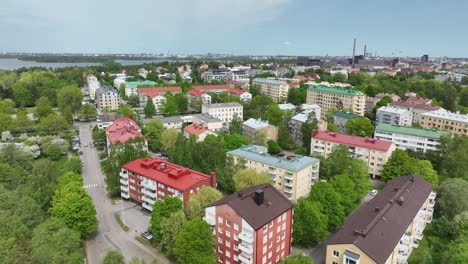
<point x="144" y="92"/>
<point x="131" y="87"/>
<point x="252" y="226"/>
<point x="253" y="127"/>
<point x="225" y="112"/>
<point x="123" y="130"/>
<point x="106" y="119"/>
<point x="417" y="139"/>
<point x="387" y="228"/>
<point x="195" y="97"/>
<point x="374" y="152"/>
<point x="243" y="95"/>
<point x="277" y="90"/>
<point x="337" y="97"/>
<point x="394" y="116"/>
<point x="198" y="131"/>
<point x="341" y="118"/>
<point x="293" y="175"/>
<point x="147" y="180"/>
<point x="454" y="122"/>
<point x="107" y="99"/>
<point x="93" y="85"/>
<point x="212" y="88"/>
<point x="416" y="109"/>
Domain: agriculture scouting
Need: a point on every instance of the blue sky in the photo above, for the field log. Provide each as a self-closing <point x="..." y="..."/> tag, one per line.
<point x="256" y="27"/>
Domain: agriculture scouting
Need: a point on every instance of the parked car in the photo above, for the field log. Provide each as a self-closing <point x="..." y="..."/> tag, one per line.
<point x="147" y="235"/>
<point x="80" y="152"/>
<point x="373" y="192"/>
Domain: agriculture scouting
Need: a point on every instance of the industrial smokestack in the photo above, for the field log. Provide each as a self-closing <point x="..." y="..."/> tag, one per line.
<point x="354" y="51"/>
<point x="365" y="48"/>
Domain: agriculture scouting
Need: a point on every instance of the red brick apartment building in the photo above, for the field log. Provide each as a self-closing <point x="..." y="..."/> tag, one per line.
<point x="252" y="226"/>
<point x="146" y="180"/>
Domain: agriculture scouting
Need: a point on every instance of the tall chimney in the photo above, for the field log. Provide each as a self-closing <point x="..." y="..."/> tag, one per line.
<point x="354" y="51"/>
<point x="365" y="48"/>
<point x="259" y="197"/>
<point x="213" y="179"/>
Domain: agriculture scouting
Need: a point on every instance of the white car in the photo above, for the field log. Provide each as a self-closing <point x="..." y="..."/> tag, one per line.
<point x="373" y="192"/>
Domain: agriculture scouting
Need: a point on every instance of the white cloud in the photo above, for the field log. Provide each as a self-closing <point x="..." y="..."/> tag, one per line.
<point x="287" y="43"/>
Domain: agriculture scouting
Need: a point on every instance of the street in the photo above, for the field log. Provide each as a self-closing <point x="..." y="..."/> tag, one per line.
<point x="109" y="235"/>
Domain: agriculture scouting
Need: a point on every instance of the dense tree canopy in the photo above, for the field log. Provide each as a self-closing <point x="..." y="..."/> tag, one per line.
<point x="360" y="126"/>
<point x="162" y="209"/>
<point x="249" y="177"/>
<point x="198" y="201"/>
<point x="195" y="243"/>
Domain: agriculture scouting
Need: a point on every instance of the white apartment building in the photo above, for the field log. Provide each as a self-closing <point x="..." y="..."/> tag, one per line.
<point x="224" y="111"/>
<point x="374" y="152"/>
<point x="93" y="85"/>
<point x="394" y="116"/>
<point x="277" y="90"/>
<point x="404" y="137"/>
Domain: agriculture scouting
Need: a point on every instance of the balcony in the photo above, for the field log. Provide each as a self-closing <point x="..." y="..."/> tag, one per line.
<point x="146" y="206"/>
<point x="148" y="193"/>
<point x="246" y="237"/>
<point x="125" y="195"/>
<point x="288" y="190"/>
<point x="288" y="176"/>
<point x="124" y="182"/>
<point x="149" y="186"/>
<point x="148" y="199"/>
<point x="245" y="259"/>
<point x="432" y="195"/>
<point x="124" y="188"/>
<point x="123" y="175"/>
<point x="288" y="184"/>
<point x="246" y="248"/>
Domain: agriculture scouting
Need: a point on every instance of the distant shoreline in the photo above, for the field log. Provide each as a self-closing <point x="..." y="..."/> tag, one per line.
<point x="75" y="59"/>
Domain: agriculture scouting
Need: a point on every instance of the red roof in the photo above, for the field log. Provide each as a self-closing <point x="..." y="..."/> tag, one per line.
<point x="304" y="78"/>
<point x="355" y="141"/>
<point x="195" y="92"/>
<point x="423" y="69"/>
<point x="235" y="82"/>
<point x="418" y="100"/>
<point x="195" y="129"/>
<point x="153" y="94"/>
<point x="211" y="87"/>
<point x="294" y="84"/>
<point x="414" y="105"/>
<point x="122" y="130"/>
<point x="236" y="91"/>
<point x="167" y="173"/>
<point x="158" y="89"/>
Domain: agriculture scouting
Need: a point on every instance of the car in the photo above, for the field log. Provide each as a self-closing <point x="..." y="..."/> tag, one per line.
<point x="373" y="192"/>
<point x="80" y="152"/>
<point x="85" y="145"/>
<point x="147" y="235"/>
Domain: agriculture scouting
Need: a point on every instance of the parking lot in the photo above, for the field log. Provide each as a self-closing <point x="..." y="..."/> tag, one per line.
<point x="133" y="216"/>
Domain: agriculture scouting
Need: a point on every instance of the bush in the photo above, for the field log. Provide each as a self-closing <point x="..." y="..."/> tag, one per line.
<point x="102" y="155"/>
<point x="53" y="151"/>
<point x="75" y="164"/>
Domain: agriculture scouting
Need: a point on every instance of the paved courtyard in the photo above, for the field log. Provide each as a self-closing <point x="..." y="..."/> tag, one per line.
<point x="133" y="215"/>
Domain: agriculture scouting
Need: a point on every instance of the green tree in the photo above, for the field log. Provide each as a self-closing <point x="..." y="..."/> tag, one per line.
<point x="284" y="137"/>
<point x="170" y="107"/>
<point x="74" y="207"/>
<point x="306" y="129"/>
<point x="162" y="209"/>
<point x="332" y="127"/>
<point x="260" y="138"/>
<point x="6" y="122"/>
<point x="133" y="100"/>
<point x="7" y="106"/>
<point x="343" y="185"/>
<point x="400" y="163"/>
<point x="150" y="109"/>
<point x="22" y="96"/>
<point x="168" y="139"/>
<point x="457" y="252"/>
<point x="273" y="147"/>
<point x="113" y="257"/>
<point x="310" y="225"/>
<point x="198" y="201"/>
<point x="231" y="141"/>
<point x="425" y="170"/>
<point x="236" y="125"/>
<point x="330" y="200"/>
<point x="153" y="132"/>
<point x="170" y="228"/>
<point x="182" y="102"/>
<point x="53" y="151"/>
<point x="452" y="197"/>
<point x="382" y="102"/>
<point x="43" y="108"/>
<point x="69" y="96"/>
<point x="53" y="124"/>
<point x="452" y="156"/>
<point x="360" y="126"/>
<point x="249" y="177"/>
<point x="297" y="258"/>
<point x="87" y="112"/>
<point x="53" y="242"/>
<point x="195" y="244"/>
<point x="22" y="123"/>
<point x="273" y="114"/>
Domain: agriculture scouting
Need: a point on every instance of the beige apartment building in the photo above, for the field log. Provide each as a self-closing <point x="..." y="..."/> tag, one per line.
<point x="387" y="228"/>
<point x="337" y="97"/>
<point x="107" y="99"/>
<point x="374" y="152"/>
<point x="454" y="122"/>
<point x="292" y="175"/>
<point x="253" y="128"/>
<point x="276" y="89"/>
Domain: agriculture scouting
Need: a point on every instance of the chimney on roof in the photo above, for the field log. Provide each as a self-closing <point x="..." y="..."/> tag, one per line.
<point x="239" y="193"/>
<point x="213" y="179"/>
<point x="401" y="201"/>
<point x="259" y="197"/>
<point x="131" y="117"/>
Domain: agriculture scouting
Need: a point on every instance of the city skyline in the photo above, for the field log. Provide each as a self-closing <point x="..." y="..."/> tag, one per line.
<point x="263" y="27"/>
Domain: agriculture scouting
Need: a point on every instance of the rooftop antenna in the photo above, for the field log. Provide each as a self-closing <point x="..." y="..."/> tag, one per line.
<point x="365" y="48"/>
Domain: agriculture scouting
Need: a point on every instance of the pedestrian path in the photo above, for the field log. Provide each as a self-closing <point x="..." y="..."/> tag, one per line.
<point x="89" y="186"/>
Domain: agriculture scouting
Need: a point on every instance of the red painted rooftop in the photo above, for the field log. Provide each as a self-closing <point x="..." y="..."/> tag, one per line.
<point x="236" y="91"/>
<point x="158" y="89"/>
<point x="294" y="84"/>
<point x="195" y="92"/>
<point x="418" y="100"/>
<point x="414" y="105"/>
<point x="235" y="82"/>
<point x="169" y="174"/>
<point x="211" y="87"/>
<point x="122" y="130"/>
<point x="153" y="94"/>
<point x="195" y="129"/>
<point x="355" y="141"/>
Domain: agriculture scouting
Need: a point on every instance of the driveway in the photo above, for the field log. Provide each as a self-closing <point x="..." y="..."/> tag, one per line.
<point x="109" y="235"/>
<point x="133" y="215"/>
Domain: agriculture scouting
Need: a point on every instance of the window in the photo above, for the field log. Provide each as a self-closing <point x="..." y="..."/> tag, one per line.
<point x="236" y="227"/>
<point x="220" y="220"/>
<point x="220" y="259"/>
<point x="265" y="239"/>
<point x="336" y="253"/>
<point x="228" y="244"/>
<point x="271" y="224"/>
<point x="236" y="237"/>
<point x="220" y="249"/>
<point x="228" y="223"/>
<point x="264" y="228"/>
<point x="228" y="234"/>
<point x="269" y="254"/>
<point x="350" y="261"/>
<point x="264" y="260"/>
<point x="228" y="253"/>
<point x="236" y="257"/>
<point x="264" y="249"/>
<point x="220" y="230"/>
<point x="220" y="240"/>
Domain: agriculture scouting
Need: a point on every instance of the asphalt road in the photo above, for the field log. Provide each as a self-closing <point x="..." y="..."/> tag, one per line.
<point x="109" y="235"/>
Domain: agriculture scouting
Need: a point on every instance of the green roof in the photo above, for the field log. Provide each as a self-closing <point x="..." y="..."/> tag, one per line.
<point x="136" y="84"/>
<point x="346" y="115"/>
<point x="413" y="131"/>
<point x="337" y="90"/>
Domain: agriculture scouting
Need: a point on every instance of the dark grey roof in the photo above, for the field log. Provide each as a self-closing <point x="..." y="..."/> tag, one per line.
<point x="274" y="205"/>
<point x="109" y="116"/>
<point x="206" y="118"/>
<point x="106" y="89"/>
<point x="377" y="227"/>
